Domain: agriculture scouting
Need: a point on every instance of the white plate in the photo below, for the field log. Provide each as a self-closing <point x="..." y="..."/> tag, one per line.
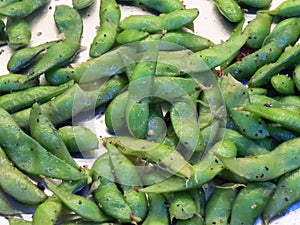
<point x="209" y="24"/>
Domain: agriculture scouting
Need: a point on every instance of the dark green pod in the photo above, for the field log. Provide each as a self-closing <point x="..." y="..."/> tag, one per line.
<point x="18" y="33"/>
<point x="15" y="82"/>
<point x="288" y="8"/>
<point x="283" y="84"/>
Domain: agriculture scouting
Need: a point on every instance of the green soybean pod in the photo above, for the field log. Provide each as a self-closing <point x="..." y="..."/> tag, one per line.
<point x="219" y="204"/>
<point x="280" y="133"/>
<point x="131" y="35"/>
<point x="154" y="152"/>
<point x="296" y="76"/>
<point x="43" y="131"/>
<point x="60" y="76"/>
<point x="283" y="84"/>
<point x="257" y="3"/>
<point x="5" y="207"/>
<point x="69" y="23"/>
<point x="285" y="33"/>
<point x="258" y="91"/>
<point x="18" y="32"/>
<point x="102" y="168"/>
<point x="287" y="118"/>
<point x="79" y="204"/>
<point x="158" y="213"/>
<point x="25" y="151"/>
<point x="3" y="37"/>
<point x="57" y="55"/>
<point x="18" y="221"/>
<point x="188" y="40"/>
<point x="112" y="202"/>
<point x="163" y="6"/>
<point x="82" y="4"/>
<point x="205" y="171"/>
<point x="18" y="100"/>
<point x="15" y="82"/>
<point x="7" y="2"/>
<point x="181" y="205"/>
<point x="195" y="220"/>
<point x="17" y="185"/>
<point x="258" y="29"/>
<point x="84" y="222"/>
<point x="267" y="166"/>
<point x="21" y="8"/>
<point x="262" y="76"/>
<point x="250" y="202"/>
<point x="184" y="120"/>
<point x="24" y="57"/>
<point x="288" y="8"/>
<point x="285" y="195"/>
<point x="110" y="15"/>
<point x="156" y="124"/>
<point x="78" y="138"/>
<point x="230" y="10"/>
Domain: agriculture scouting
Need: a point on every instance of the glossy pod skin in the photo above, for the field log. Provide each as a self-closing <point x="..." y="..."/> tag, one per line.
<point x="18" y="100"/>
<point x="25" y="152"/>
<point x="219" y="204"/>
<point x="230" y="10"/>
<point x="205" y="170"/>
<point x="17" y="185"/>
<point x="158" y="213"/>
<point x="267" y="166"/>
<point x="15" y="82"/>
<point x="44" y="132"/>
<point x="152" y="24"/>
<point x="163" y="6"/>
<point x="286" y="194"/>
<point x="24" y="57"/>
<point x="110" y="15"/>
<point x="18" y="33"/>
<point x="283" y="84"/>
<point x="262" y="76"/>
<point x="21" y="8"/>
<point x="78" y="138"/>
<point x="288" y="8"/>
<point x="81" y="4"/>
<point x="257" y="3"/>
<point x="250" y="202"/>
<point x="79" y="204"/>
<point x="130" y="35"/>
<point x="154" y="152"/>
<point x="257" y="30"/>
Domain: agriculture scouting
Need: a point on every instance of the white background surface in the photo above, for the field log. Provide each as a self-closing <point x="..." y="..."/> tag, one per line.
<point x="209" y="24"/>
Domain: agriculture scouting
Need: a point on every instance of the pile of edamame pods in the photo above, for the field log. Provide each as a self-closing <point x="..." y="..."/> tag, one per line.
<point x="184" y="114"/>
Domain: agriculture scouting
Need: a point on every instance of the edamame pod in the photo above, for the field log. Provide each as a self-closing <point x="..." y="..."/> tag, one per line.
<point x="24" y="57"/>
<point x="219" y="204"/>
<point x="154" y="152"/>
<point x="131" y="35"/>
<point x="158" y="213"/>
<point x="287" y="118"/>
<point x="44" y="132"/>
<point x="15" y="82"/>
<point x="205" y="170"/>
<point x="286" y="194"/>
<point x="21" y="8"/>
<point x="7" y="2"/>
<point x="262" y="76"/>
<point x="267" y="166"/>
<point x="163" y="6"/>
<point x="18" y="32"/>
<point x="78" y="138"/>
<point x="112" y="202"/>
<point x="181" y="205"/>
<point x="195" y="220"/>
<point x="283" y="84"/>
<point x="250" y="203"/>
<point x="230" y="9"/>
<point x="17" y="185"/>
<point x="156" y="124"/>
<point x="18" y="100"/>
<point x="280" y="133"/>
<point x="29" y="155"/>
<point x="110" y="15"/>
<point x="79" y="204"/>
<point x="18" y="221"/>
<point x="3" y="36"/>
<point x="81" y="4"/>
<point x="102" y="168"/>
<point x="257" y="3"/>
<point x="5" y="207"/>
<point x="170" y="21"/>
<point x="69" y="23"/>
<point x="257" y="30"/>
<point x="287" y="8"/>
